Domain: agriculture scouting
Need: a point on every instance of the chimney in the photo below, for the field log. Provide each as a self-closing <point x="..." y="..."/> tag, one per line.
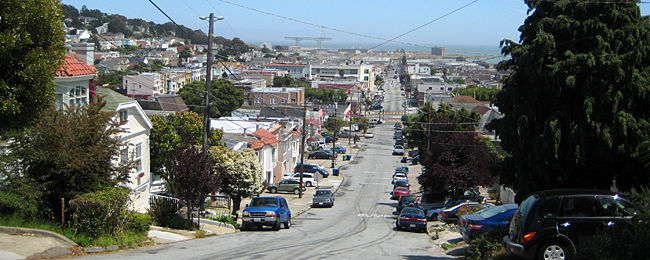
<point x="84" y="49"/>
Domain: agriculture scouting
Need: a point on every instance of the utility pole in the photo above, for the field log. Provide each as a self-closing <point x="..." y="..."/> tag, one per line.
<point x="208" y="79"/>
<point x="302" y="146"/>
<point x="336" y="106"/>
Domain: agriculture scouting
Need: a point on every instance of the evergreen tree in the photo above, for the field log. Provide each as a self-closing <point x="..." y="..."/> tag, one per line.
<point x="225" y="97"/>
<point x="576" y="105"/>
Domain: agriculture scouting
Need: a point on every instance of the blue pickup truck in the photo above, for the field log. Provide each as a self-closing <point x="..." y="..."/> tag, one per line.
<point x="266" y="211"/>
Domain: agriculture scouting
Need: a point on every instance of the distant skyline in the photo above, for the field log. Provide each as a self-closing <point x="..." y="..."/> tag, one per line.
<point x="444" y="23"/>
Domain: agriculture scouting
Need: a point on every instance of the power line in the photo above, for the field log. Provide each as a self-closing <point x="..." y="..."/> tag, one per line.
<point x="233" y="30"/>
<point x="430" y="22"/>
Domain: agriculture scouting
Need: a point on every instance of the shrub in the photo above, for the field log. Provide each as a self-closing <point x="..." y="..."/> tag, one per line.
<point x="163" y="210"/>
<point x="138" y="223"/>
<point x="485" y="245"/>
<point x="100" y="212"/>
<point x="228" y="220"/>
<point x="179" y="222"/>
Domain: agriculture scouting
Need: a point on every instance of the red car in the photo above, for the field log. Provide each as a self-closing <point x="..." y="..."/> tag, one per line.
<point x="399" y="191"/>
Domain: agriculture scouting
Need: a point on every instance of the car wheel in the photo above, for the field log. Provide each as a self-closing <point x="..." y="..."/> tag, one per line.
<point x="296" y="191"/>
<point x="273" y="190"/>
<point x="276" y="225"/>
<point x="554" y="251"/>
<point x="308" y="184"/>
<point x="287" y="224"/>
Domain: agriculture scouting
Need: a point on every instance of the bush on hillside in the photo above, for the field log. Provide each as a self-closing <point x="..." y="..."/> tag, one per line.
<point x="101" y="212"/>
<point x="163" y="211"/>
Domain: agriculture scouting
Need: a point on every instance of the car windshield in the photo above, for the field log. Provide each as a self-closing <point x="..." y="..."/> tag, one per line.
<point x="405" y="198"/>
<point x="412" y="211"/>
<point x="493" y="212"/>
<point x="264" y="202"/>
<point x="400" y="176"/>
<point x="401" y="189"/>
<point x="399" y="147"/>
<point x="322" y="193"/>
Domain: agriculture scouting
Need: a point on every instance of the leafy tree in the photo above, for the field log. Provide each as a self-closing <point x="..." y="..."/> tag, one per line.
<point x="129" y="49"/>
<point x="341" y="72"/>
<point x="225" y="97"/>
<point x="32" y="47"/>
<point x="575" y="105"/>
<point x="458" y="81"/>
<point x="265" y="50"/>
<point x="184" y="54"/>
<point x="241" y="173"/>
<point x="325" y="95"/>
<point x="379" y="80"/>
<point x="194" y="177"/>
<point x="456" y="159"/>
<point x="171" y="133"/>
<point x="335" y="123"/>
<point x="70" y="152"/>
<point x="234" y="48"/>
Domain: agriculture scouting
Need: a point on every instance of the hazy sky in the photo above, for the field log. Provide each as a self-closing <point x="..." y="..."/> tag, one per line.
<point x="442" y="22"/>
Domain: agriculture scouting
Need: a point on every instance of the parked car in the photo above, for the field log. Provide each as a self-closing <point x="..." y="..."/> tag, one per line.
<point x="287" y="185"/>
<point x="399" y="150"/>
<point x="407" y="200"/>
<point x="413" y="153"/>
<point x="398" y="126"/>
<point x="399" y="177"/>
<point x="287" y="176"/>
<point x="324" y="154"/>
<point x="403" y="169"/>
<point x="339" y="149"/>
<point x="312" y="168"/>
<point x="324" y="198"/>
<point x="344" y="135"/>
<point x="554" y="224"/>
<point x="266" y="211"/>
<point x="402" y="183"/>
<point x="329" y="138"/>
<point x="397" y="135"/>
<point x="490" y="219"/>
<point x="398" y="192"/>
<point x="450" y="215"/>
<point x="432" y="213"/>
<point x="307" y="179"/>
<point x="412" y="218"/>
<point x="368" y="135"/>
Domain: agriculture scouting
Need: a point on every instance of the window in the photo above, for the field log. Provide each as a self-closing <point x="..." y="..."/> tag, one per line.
<point x="365" y="71"/>
<point x="293" y="100"/>
<point x="123" y="115"/>
<point x="124" y="155"/>
<point x="283" y="101"/>
<point x="442" y="88"/>
<point x="578" y="207"/>
<point x="449" y="88"/>
<point x="365" y="78"/>
<point x="258" y="100"/>
<point x="615" y="206"/>
<point x="273" y="101"/>
<point x="137" y="157"/>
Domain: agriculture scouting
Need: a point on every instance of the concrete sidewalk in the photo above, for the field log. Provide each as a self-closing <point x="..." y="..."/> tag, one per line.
<point x="27" y="243"/>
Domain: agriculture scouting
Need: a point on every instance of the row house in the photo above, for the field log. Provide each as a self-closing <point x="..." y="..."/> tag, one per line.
<point x="419" y="70"/>
<point x="247" y="85"/>
<point x="295" y="70"/>
<point x="75" y="87"/>
<point x="266" y="74"/>
<point x="360" y="72"/>
<point x="277" y="96"/>
<point x="75" y="80"/>
<point x="143" y="86"/>
<point x="136" y="132"/>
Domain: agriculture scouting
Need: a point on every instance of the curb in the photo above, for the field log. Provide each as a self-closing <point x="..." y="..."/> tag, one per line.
<point x="39" y="232"/>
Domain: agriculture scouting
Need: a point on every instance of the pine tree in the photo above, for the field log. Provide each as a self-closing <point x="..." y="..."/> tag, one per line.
<point x="575" y="104"/>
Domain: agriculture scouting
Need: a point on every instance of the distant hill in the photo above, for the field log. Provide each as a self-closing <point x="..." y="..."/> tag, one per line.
<point x="132" y="28"/>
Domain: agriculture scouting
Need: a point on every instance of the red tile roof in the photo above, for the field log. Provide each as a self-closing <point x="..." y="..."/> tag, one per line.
<point x="75" y="66"/>
<point x="264" y="137"/>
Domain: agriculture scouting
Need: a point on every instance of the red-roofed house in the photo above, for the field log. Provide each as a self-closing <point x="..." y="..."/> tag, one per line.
<point x="74" y="82"/>
<point x="265" y="146"/>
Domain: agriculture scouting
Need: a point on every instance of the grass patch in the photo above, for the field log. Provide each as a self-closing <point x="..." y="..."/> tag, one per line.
<point x="128" y="238"/>
<point x="447" y="246"/>
<point x="199" y="234"/>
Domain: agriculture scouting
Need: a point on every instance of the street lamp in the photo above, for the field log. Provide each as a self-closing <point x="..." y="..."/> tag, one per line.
<point x="208" y="78"/>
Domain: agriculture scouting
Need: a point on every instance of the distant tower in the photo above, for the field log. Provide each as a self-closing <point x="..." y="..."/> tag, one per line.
<point x="438" y="51"/>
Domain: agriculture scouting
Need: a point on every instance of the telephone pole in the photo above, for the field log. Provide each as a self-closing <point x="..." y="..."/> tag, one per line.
<point x="336" y="106"/>
<point x="302" y="146"/>
<point x="208" y="79"/>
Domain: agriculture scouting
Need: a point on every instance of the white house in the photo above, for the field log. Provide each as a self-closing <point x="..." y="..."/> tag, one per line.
<point x="137" y="129"/>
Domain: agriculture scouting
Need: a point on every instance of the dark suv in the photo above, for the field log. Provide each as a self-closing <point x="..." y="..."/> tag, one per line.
<point x="554" y="224"/>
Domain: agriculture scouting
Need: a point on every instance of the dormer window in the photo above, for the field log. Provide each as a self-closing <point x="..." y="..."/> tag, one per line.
<point x="123" y="116"/>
